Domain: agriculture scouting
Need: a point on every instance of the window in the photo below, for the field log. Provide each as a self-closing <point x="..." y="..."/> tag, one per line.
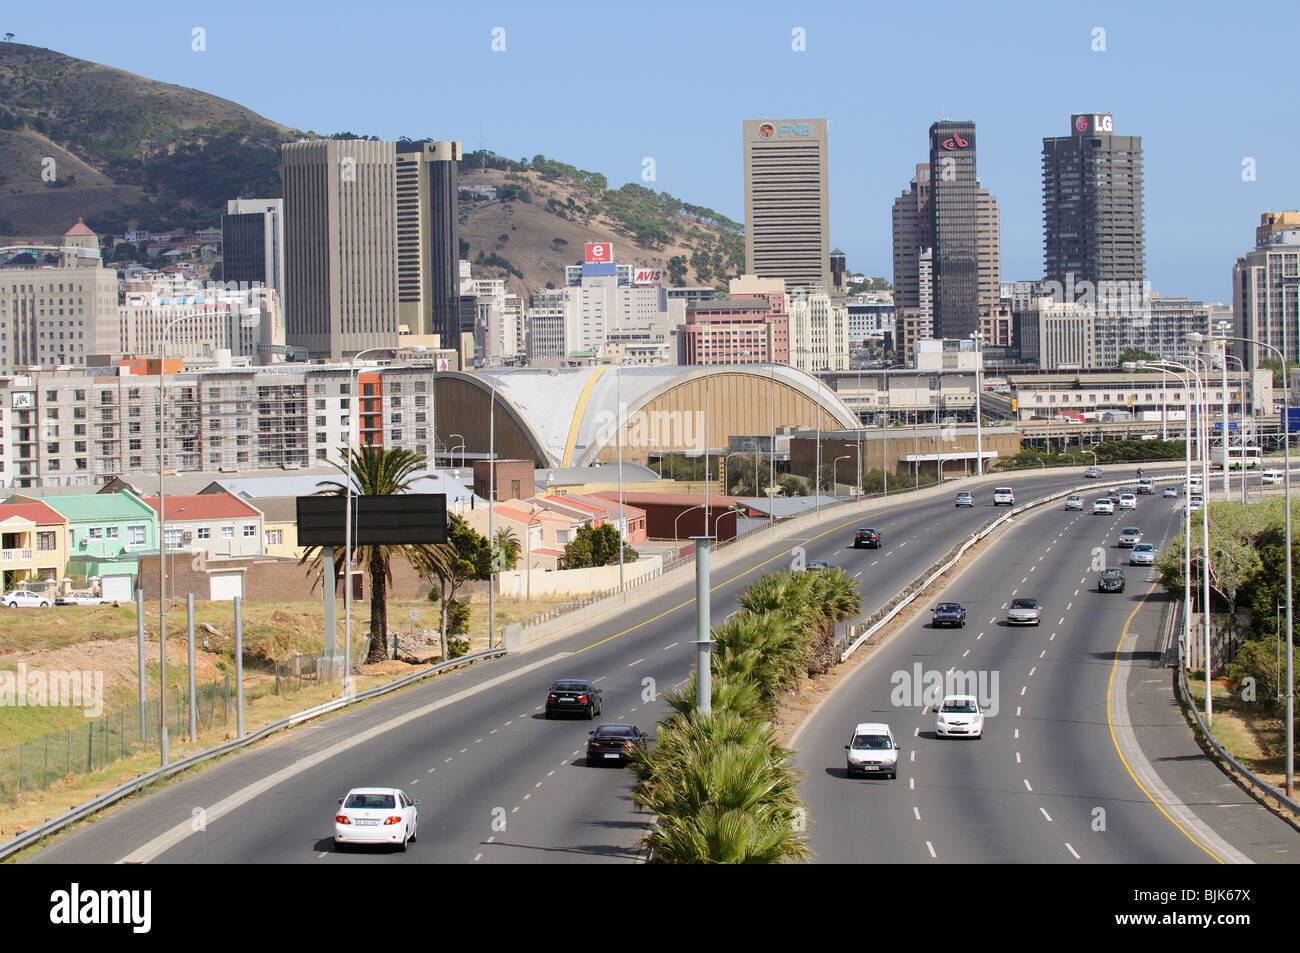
<point x="205" y="532"/>
<point x="135" y="535"/>
<point x="275" y="537"/>
<point x="110" y="532"/>
<point x="97" y="532"/>
<point x="172" y="540"/>
<point x="228" y="532"/>
<point x="45" y="541"/>
<point x="250" y="530"/>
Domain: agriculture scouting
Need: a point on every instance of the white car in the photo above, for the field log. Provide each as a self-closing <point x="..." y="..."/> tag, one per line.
<point x="1128" y="501"/>
<point x="376" y="816"/>
<point x="872" y="750"/>
<point x="1074" y="502"/>
<point x="1143" y="554"/>
<point x="79" y="597"/>
<point x="1195" y="502"/>
<point x="1103" y="505"/>
<point x="1169" y="492"/>
<point x="1272" y="478"/>
<point x="25" y="597"/>
<point x="1004" y="494"/>
<point x="959" y="715"/>
<point x="1130" y="536"/>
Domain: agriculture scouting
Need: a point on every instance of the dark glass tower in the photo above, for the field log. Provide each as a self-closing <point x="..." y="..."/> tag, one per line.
<point x="955" y="203"/>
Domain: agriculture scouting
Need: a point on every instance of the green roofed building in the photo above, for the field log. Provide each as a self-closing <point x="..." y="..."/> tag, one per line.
<point x="106" y="531"/>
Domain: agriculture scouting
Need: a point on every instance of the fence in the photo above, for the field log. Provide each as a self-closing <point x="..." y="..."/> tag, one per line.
<point x="54" y="757"/>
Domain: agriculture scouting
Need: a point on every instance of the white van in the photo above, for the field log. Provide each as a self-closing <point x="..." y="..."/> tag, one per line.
<point x="1272" y="478"/>
<point x="1003" y="494"/>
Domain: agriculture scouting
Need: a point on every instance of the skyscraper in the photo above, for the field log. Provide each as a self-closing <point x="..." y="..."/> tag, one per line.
<point x="787" y="216"/>
<point x="340" y="227"/>
<point x="428" y="240"/>
<point x="954" y="203"/>
<point x="1266" y="293"/>
<point x="1092" y="208"/>
<point x="252" y="243"/>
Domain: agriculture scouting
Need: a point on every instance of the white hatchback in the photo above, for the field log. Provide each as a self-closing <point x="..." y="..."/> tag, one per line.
<point x="959" y="716"/>
<point x="376" y="816"/>
<point x="872" y="751"/>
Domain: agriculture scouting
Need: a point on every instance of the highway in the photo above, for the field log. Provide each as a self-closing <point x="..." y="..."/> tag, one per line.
<point x="500" y="784"/>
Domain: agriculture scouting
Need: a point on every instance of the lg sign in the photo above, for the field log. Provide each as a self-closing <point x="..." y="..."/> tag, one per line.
<point x="1096" y="124"/>
<point x="599" y="252"/>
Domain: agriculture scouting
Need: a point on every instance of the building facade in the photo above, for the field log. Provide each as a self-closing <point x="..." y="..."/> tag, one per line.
<point x="428" y="239"/>
<point x="1266" y="297"/>
<point x="787" y="208"/>
<point x="252" y="244"/>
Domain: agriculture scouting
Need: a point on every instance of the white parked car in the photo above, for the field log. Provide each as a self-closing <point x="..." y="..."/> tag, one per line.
<point x="1103" y="505"/>
<point x="1128" y="501"/>
<point x="872" y="750"/>
<point x="24" y="597"/>
<point x="376" y="816"/>
<point x="959" y="715"/>
<point x="79" y="597"/>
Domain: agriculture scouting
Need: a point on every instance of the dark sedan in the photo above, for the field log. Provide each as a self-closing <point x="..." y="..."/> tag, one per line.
<point x="948" y="613"/>
<point x="868" y="537"/>
<point x="574" y="695"/>
<point x="1110" y="580"/>
<point x="611" y="744"/>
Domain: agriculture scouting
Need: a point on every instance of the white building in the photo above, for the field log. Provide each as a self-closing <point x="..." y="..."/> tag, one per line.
<point x="819" y="333"/>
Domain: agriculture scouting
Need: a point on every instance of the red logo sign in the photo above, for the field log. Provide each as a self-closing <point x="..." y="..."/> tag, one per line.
<point x="648" y="276"/>
<point x="1081" y="123"/>
<point x="766" y="131"/>
<point x="599" y="252"/>
<point x="954" y="141"/>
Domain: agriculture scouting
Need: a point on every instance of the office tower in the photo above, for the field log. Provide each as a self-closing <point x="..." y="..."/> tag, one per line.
<point x="955" y="210"/>
<point x="252" y="243"/>
<point x="787" y="215"/>
<point x="428" y="240"/>
<point x="912" y="232"/>
<point x="1271" y="222"/>
<point x="1092" y="209"/>
<point x="1266" y="297"/>
<point x="340" y="230"/>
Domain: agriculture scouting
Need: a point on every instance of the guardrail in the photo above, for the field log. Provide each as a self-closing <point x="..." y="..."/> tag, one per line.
<point x="41" y="831"/>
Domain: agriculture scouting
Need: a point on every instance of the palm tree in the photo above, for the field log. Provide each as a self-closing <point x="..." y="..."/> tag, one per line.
<point x="376" y="471"/>
<point x="507" y="544"/>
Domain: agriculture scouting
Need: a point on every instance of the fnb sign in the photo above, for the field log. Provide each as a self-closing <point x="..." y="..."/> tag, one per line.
<point x="769" y="130"/>
<point x="1094" y="124"/>
<point x="599" y="252"/>
<point x="648" y="276"/>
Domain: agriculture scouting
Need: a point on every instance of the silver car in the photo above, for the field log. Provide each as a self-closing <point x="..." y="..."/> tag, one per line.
<point x="1143" y="554"/>
<point x="964" y="498"/>
<point x="1130" y="536"/>
<point x="1169" y="492"/>
<point x="1074" y="502"/>
<point x="1024" y="612"/>
<point x="1103" y="505"/>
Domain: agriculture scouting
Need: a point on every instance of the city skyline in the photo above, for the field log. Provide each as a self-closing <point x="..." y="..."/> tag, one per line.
<point x="685" y="120"/>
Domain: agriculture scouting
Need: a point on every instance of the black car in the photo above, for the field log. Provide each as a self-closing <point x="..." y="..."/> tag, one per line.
<point x="948" y="613"/>
<point x="576" y="695"/>
<point x="610" y="744"/>
<point x="1115" y="493"/>
<point x="868" y="537"/>
<point x="1110" y="580"/>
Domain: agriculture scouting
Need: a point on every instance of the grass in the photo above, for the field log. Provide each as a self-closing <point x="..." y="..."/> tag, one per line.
<point x="1257" y="740"/>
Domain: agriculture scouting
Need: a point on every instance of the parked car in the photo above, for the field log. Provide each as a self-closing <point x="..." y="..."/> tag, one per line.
<point x="1103" y="505"/>
<point x="16" y="598"/>
<point x="959" y="715"/>
<point x="1110" y="580"/>
<point x="1130" y="536"/>
<point x="948" y="613"/>
<point x="1024" y="612"/>
<point x="1143" y="554"/>
<point x="1003" y="494"/>
<point x="611" y="744"/>
<point x="376" y="816"/>
<point x="1092" y="473"/>
<point x="1074" y="502"/>
<point x="964" y="498"/>
<point x="866" y="536"/>
<point x="573" y="695"/>
<point x="79" y="597"/>
<point x="872" y="750"/>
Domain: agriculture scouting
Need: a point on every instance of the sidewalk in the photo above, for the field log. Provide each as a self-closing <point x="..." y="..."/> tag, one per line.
<point x="1194" y="779"/>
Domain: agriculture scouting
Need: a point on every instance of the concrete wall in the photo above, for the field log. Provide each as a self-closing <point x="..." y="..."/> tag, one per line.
<point x="577" y="582"/>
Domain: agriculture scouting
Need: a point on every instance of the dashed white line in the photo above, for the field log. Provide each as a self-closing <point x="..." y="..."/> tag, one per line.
<point x="673" y="646"/>
<point x="550" y="772"/>
<point x="904" y="543"/>
<point x="873" y="562"/>
<point x="916" y="732"/>
<point x="445" y="760"/>
<point x="494" y="731"/>
<point x="913" y="757"/>
<point x="1076" y="592"/>
<point x="1073" y="851"/>
<point x="539" y="783"/>
<point x="1032" y="568"/>
<point x="478" y="741"/>
<point x="1068" y="607"/>
<point x="911" y="784"/>
<point x="966" y="653"/>
<point x="858" y="573"/>
<point x="930" y="848"/>
<point x="1045" y="814"/>
<point x="637" y="662"/>
<point x="1042" y="653"/>
<point x="1017" y="757"/>
<point x="515" y="809"/>
<point x="1022" y="689"/>
<point x="431" y="770"/>
<point x="1051" y="637"/>
<point x="478" y="857"/>
<point x="1014" y="591"/>
<point x="1027" y="787"/>
<point x="916" y="812"/>
<point x="527" y="796"/>
<point x="1061" y="621"/>
<point x="492" y="838"/>
<point x="980" y="636"/>
<point x="508" y="723"/>
<point x="1032" y="671"/>
<point x="1017" y="711"/>
<point x="462" y="750"/>
<point x="1017" y="732"/>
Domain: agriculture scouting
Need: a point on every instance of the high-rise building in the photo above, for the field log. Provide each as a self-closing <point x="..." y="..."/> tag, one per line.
<point x="340" y="229"/>
<point x="1092" y="209"/>
<point x="252" y="243"/>
<point x="955" y="210"/>
<point x="1270" y="222"/>
<point x="428" y="240"/>
<point x="912" y="232"/>
<point x="1266" y="298"/>
<point x="787" y="214"/>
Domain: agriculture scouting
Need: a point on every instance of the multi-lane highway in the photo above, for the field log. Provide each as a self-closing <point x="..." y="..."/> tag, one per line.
<point x="498" y="783"/>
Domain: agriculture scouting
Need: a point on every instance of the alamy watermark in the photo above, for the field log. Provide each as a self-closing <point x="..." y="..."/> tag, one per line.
<point x="53" y="689"/>
<point x="654" y="429"/>
<point x="927" y="687"/>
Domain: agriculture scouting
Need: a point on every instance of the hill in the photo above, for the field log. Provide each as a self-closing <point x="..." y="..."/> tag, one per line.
<point x="78" y="139"/>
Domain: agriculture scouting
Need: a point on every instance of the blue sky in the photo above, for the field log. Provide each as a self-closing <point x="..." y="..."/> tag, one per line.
<point x="601" y="86"/>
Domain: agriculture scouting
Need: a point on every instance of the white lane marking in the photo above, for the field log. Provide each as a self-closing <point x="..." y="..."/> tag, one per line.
<point x="916" y="812"/>
<point x="1045" y="814"/>
<point x="1014" y="591"/>
<point x="1073" y="851"/>
<point x="1017" y="732"/>
<point x="1022" y="690"/>
<point x="966" y="653"/>
<point x="855" y="575"/>
<point x="1032" y="568"/>
<point x="478" y="857"/>
<point x="1032" y="671"/>
<point x="673" y="646"/>
<point x="637" y="662"/>
<point x="478" y="741"/>
<point x="416" y="781"/>
<point x="980" y="636"/>
<point x="462" y="750"/>
<point x="446" y="760"/>
<point x="1017" y="711"/>
<point x="1017" y="757"/>
<point x="320" y="855"/>
<point x="1027" y="787"/>
<point x="911" y="784"/>
<point x="913" y="757"/>
<point x="550" y="772"/>
<point x="431" y="770"/>
<point x="539" y="783"/>
<point x="873" y="562"/>
<point x="930" y="848"/>
<point x="492" y="838"/>
<point x="601" y="679"/>
<point x="993" y="619"/>
<point x="902" y="544"/>
<point x="494" y="731"/>
<point x="527" y="796"/>
<point x="1076" y="592"/>
<point x="1068" y="607"/>
<point x="1042" y="653"/>
<point x="1052" y="637"/>
<point x="916" y="732"/>
<point x="508" y="723"/>
<point x="1061" y="621"/>
<point x="515" y="809"/>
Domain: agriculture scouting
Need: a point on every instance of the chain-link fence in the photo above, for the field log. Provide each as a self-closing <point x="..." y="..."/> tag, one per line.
<point x="54" y="757"/>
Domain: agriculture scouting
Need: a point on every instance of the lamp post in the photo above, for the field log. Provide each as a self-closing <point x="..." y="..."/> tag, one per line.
<point x="1241" y="401"/>
<point x="979" y="431"/>
<point x="528" y="547"/>
<point x="1094" y="455"/>
<point x="771" y="451"/>
<point x="835" y="470"/>
<point x="1203" y="430"/>
<point x="459" y="446"/>
<point x="697" y="506"/>
<point x="1290" y="621"/>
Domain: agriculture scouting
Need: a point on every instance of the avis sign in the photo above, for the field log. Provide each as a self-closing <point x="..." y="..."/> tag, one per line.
<point x="599" y="252"/>
<point x="648" y="276"/>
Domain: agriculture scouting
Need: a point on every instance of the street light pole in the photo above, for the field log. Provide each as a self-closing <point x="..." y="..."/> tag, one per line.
<point x="979" y="429"/>
<point x="622" y="514"/>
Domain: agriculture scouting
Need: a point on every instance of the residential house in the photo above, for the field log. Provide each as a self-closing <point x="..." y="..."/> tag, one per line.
<point x="33" y="537"/>
<point x="104" y="531"/>
<point x="218" y="525"/>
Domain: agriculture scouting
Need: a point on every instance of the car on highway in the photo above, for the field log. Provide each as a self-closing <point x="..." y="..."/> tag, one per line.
<point x="79" y="597"/>
<point x="1004" y="494"/>
<point x="573" y="696"/>
<point x="964" y="498"/>
<point x="1103" y="505"/>
<point x="376" y="816"/>
<point x="948" y="613"/>
<point x="872" y="751"/>
<point x="16" y="598"/>
<point x="1092" y="473"/>
<point x="1169" y="492"/>
<point x="868" y="537"/>
<point x="1194" y="485"/>
<point x="1142" y="554"/>
<point x="1074" y="502"/>
<point x="959" y="715"/>
<point x="611" y="744"/>
<point x="1110" y="580"/>
<point x="1024" y="612"/>
<point x="1146" y="487"/>
<point x="1130" y="536"/>
<point x="1113" y="494"/>
<point x="1128" y="501"/>
<point x="818" y="565"/>
<point x="1272" y="478"/>
<point x="1195" y="502"/>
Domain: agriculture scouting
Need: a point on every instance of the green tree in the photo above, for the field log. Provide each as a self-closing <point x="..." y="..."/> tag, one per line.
<point x="1133" y="355"/>
<point x="596" y="547"/>
<point x="376" y="472"/>
<point x="465" y="556"/>
<point x="792" y="486"/>
<point x="1274" y="365"/>
<point x="508" y="549"/>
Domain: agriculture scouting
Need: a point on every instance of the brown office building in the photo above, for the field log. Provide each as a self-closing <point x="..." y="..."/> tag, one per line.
<point x="428" y="240"/>
<point x="787" y="214"/>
